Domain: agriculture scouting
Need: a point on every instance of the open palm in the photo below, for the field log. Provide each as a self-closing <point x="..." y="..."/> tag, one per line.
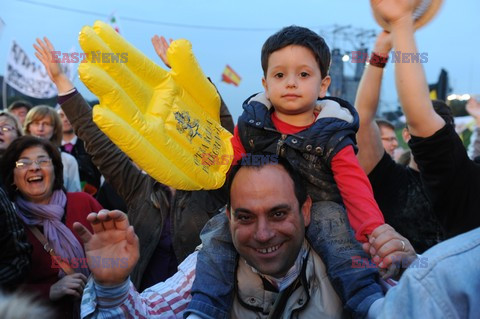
<point x="112" y="250"/>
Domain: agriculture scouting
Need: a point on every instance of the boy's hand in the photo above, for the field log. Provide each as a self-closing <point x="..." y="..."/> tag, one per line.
<point x="112" y="250"/>
<point x="167" y="122"/>
<point x="393" y="11"/>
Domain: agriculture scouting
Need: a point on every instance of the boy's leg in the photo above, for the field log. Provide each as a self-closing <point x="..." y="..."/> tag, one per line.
<point x="212" y="290"/>
<point x="333" y="239"/>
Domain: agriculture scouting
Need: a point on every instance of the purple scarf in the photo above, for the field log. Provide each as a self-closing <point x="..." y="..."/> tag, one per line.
<point x="49" y="216"/>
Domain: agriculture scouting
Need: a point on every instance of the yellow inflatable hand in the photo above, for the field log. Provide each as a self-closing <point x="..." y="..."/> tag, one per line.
<point x="166" y="122"/>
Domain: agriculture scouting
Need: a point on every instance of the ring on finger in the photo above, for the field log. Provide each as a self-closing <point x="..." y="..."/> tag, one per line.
<point x="403" y="245"/>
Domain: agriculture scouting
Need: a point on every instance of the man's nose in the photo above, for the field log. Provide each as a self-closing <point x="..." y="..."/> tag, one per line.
<point x="395" y="143"/>
<point x="264" y="231"/>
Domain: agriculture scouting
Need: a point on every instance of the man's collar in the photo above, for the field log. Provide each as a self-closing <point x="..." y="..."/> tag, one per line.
<point x="73" y="141"/>
<point x="292" y="274"/>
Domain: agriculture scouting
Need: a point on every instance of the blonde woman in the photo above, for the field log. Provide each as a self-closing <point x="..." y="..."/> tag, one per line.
<point x="43" y="121"/>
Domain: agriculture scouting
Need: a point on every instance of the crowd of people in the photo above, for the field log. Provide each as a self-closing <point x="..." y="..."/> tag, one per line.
<point x="326" y="225"/>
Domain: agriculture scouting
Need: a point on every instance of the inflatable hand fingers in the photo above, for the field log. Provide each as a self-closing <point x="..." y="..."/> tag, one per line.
<point x="167" y="122"/>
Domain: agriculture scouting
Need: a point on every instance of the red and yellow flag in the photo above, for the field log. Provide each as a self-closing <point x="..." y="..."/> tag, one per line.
<point x="230" y="76"/>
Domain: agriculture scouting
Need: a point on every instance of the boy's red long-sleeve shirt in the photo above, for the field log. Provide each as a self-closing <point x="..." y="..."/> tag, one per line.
<point x="353" y="184"/>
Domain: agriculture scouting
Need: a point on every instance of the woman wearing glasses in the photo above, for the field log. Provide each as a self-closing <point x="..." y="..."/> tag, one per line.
<point x="44" y="122"/>
<point x="9" y="130"/>
<point x="32" y="174"/>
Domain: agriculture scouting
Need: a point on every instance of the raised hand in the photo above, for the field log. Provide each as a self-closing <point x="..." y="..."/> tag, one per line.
<point x="44" y="52"/>
<point x="167" y="122"/>
<point x="473" y="108"/>
<point x="161" y="45"/>
<point x="112" y="250"/>
<point x="392" y="11"/>
<point x="70" y="285"/>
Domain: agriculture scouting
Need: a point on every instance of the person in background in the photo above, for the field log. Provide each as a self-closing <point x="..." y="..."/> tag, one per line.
<point x="20" y="109"/>
<point x="473" y="108"/>
<point x="42" y="121"/>
<point x="450" y="179"/>
<point x="397" y="188"/>
<point x="32" y="176"/>
<point x="388" y="136"/>
<point x="71" y="144"/>
<point x="15" y="250"/>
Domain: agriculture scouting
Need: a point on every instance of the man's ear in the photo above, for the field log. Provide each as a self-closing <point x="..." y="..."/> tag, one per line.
<point x="406" y="135"/>
<point x="324" y="86"/>
<point x="265" y="86"/>
<point x="227" y="211"/>
<point x="306" y="207"/>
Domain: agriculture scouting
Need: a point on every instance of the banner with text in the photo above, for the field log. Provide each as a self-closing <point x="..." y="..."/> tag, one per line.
<point x="29" y="76"/>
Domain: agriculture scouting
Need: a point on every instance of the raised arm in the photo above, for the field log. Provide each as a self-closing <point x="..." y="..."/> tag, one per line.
<point x="410" y="79"/>
<point x="370" y="148"/>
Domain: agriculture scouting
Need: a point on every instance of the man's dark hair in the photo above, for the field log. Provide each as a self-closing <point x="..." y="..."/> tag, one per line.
<point x="19" y="104"/>
<point x="12" y="154"/>
<point x="385" y="123"/>
<point x="294" y="35"/>
<point x="298" y="183"/>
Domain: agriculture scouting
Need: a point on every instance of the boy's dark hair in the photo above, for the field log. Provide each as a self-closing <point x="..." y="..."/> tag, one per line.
<point x="294" y="35"/>
<point x="298" y="183"/>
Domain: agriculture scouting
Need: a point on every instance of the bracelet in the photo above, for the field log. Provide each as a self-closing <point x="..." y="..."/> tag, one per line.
<point x="378" y="60"/>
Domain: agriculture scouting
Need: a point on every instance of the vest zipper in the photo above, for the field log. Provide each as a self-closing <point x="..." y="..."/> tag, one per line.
<point x="280" y="146"/>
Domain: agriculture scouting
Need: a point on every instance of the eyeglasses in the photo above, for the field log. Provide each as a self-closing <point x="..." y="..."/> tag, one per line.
<point x="26" y="163"/>
<point x="389" y="139"/>
<point x="6" y="128"/>
<point x="37" y="124"/>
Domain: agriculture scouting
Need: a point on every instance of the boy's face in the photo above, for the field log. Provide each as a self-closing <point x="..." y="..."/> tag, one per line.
<point x="293" y="80"/>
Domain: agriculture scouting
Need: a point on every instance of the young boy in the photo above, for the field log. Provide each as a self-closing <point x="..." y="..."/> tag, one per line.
<point x="318" y="138"/>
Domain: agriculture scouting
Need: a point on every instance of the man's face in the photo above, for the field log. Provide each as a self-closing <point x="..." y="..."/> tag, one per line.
<point x="389" y="139"/>
<point x="266" y="223"/>
<point x="67" y="127"/>
<point x="42" y="128"/>
<point x="20" y="113"/>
